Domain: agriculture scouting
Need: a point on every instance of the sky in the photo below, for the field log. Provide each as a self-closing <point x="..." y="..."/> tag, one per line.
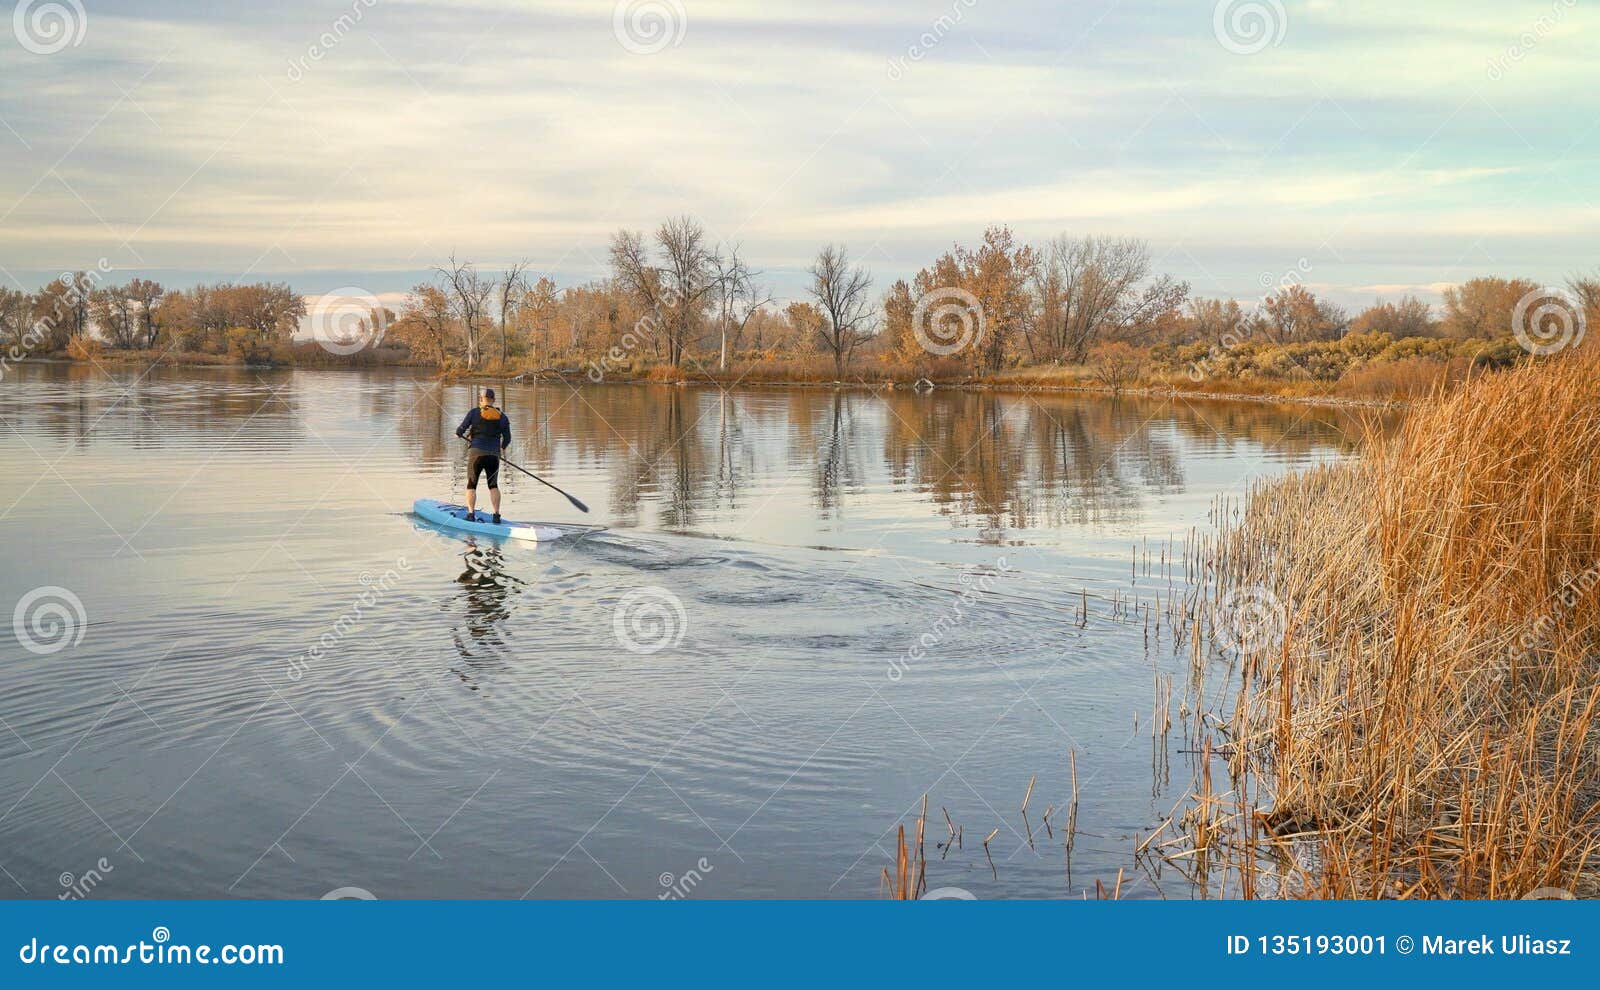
<point x="1374" y="148"/>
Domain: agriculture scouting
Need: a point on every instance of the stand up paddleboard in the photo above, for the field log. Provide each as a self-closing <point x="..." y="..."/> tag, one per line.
<point x="454" y="516"/>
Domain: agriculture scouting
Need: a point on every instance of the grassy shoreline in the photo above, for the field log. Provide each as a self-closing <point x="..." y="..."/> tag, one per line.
<point x="1359" y="369"/>
<point x="1077" y="381"/>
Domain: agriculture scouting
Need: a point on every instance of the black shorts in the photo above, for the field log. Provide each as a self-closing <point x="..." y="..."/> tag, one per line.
<point x="488" y="464"/>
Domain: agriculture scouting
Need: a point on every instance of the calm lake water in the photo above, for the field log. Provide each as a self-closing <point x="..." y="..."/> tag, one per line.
<point x="239" y="667"/>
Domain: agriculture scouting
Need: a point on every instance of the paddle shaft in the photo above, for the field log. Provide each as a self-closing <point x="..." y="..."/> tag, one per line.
<point x="579" y="505"/>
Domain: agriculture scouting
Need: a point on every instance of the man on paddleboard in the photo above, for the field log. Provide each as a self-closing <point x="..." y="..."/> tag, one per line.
<point x="488" y="433"/>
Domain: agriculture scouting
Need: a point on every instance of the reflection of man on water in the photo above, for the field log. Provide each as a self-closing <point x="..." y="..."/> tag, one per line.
<point x="488" y="588"/>
<point x="489" y="433"/>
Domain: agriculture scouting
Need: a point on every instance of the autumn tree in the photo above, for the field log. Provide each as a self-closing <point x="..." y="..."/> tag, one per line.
<point x="1115" y="364"/>
<point x="426" y="321"/>
<point x="269" y="311"/>
<point x="1295" y="314"/>
<point x="840" y="290"/>
<point x="1483" y="307"/>
<point x="899" y="309"/>
<point x="1212" y="320"/>
<point x="590" y="314"/>
<point x="1410" y="317"/>
<point x="802" y="327"/>
<point x="16" y="316"/>
<point x="541" y="309"/>
<point x="61" y="310"/>
<point x="997" y="273"/>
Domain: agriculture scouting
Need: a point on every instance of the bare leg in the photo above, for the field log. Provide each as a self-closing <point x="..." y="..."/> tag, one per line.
<point x="472" y="498"/>
<point x="494" y="499"/>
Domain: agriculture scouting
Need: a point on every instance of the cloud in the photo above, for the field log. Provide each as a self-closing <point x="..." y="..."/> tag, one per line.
<point x="212" y="138"/>
<point x="1391" y="290"/>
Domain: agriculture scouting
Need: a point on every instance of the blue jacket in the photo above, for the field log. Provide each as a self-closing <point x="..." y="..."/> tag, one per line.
<point x="490" y="434"/>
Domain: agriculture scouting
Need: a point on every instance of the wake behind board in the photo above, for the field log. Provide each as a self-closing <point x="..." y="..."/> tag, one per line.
<point x="455" y="517"/>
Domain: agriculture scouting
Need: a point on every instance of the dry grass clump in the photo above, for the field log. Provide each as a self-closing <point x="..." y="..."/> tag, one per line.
<point x="82" y="347"/>
<point x="1425" y="723"/>
<point x="1405" y="379"/>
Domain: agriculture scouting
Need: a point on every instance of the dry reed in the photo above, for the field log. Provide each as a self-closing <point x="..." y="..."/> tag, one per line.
<point x="1423" y="719"/>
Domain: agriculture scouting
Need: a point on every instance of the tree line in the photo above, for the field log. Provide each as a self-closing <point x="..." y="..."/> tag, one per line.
<point x="674" y="297"/>
<point x="248" y="320"/>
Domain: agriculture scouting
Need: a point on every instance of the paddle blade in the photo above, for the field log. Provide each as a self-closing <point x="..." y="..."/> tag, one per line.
<point x="580" y="505"/>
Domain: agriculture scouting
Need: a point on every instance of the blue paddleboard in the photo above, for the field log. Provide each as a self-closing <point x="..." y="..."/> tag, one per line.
<point x="455" y="517"/>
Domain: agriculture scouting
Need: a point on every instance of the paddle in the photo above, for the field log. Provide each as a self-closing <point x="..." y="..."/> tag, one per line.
<point x="579" y="505"/>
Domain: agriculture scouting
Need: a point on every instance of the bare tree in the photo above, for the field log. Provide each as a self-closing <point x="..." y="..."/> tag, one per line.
<point x="840" y="290"/>
<point x="738" y="299"/>
<point x="472" y="293"/>
<point x="690" y="276"/>
<point x="147" y="294"/>
<point x="677" y="290"/>
<point x="513" y="285"/>
<point x="16" y="310"/>
<point x="1585" y="290"/>
<point x="1088" y="287"/>
<point x="116" y="315"/>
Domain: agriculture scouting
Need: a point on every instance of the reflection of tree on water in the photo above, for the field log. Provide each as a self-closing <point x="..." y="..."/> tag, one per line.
<point x="835" y="465"/>
<point x="480" y="639"/>
<point x="995" y="460"/>
<point x="1013" y="461"/>
<point x="153" y="407"/>
<point x="730" y="447"/>
<point x="667" y="460"/>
